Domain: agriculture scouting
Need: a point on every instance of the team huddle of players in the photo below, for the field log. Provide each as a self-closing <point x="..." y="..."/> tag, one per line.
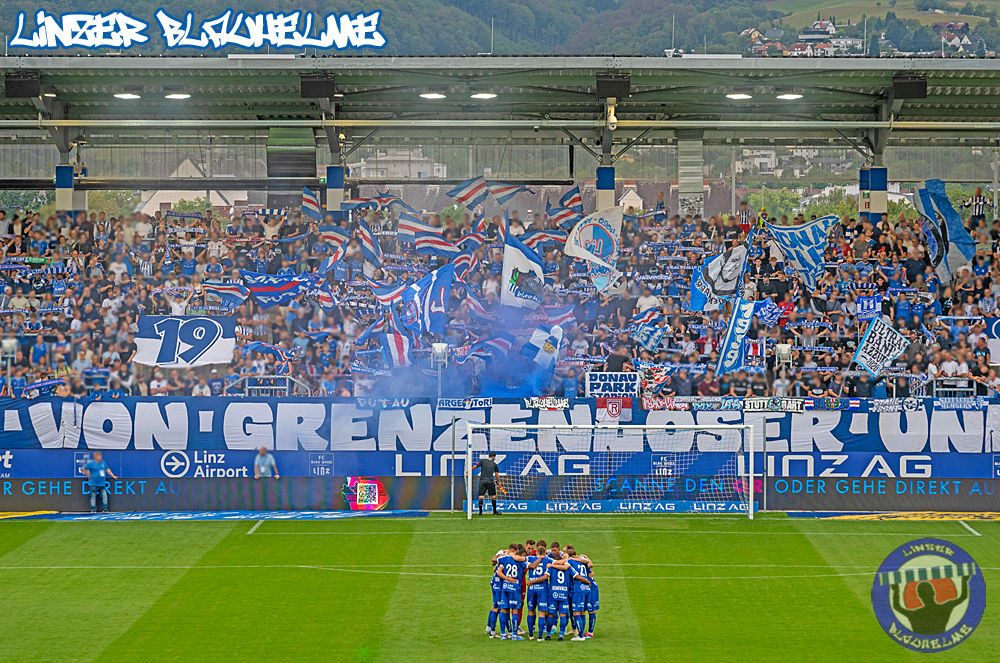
<point x="557" y="584"/>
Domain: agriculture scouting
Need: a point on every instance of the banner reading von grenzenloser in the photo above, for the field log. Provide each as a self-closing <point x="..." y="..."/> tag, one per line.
<point x="423" y="425"/>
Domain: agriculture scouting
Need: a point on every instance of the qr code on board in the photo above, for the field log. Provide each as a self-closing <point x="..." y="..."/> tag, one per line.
<point x="368" y="493"/>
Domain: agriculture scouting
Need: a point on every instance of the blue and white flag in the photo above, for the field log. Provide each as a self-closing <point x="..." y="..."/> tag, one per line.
<point x="560" y="315"/>
<point x="543" y="346"/>
<point x="386" y="294"/>
<point x="464" y="262"/>
<point x="268" y="348"/>
<point x="230" y="293"/>
<point x="185" y="341"/>
<point x="869" y="308"/>
<point x="471" y="192"/>
<point x="564" y="217"/>
<point x="271" y="290"/>
<point x="493" y="347"/>
<point x="310" y="205"/>
<point x="572" y="199"/>
<point x="523" y="277"/>
<point x="388" y="200"/>
<point x="425" y="303"/>
<point x="409" y="226"/>
<point x="504" y="192"/>
<point x="539" y="238"/>
<point x="396" y="350"/>
<point x="949" y="244"/>
<point x="333" y="235"/>
<point x="732" y="347"/>
<point x="433" y="244"/>
<point x="370" y="249"/>
<point x="649" y="336"/>
<point x="879" y="346"/>
<point x="377" y="328"/>
<point x="324" y="296"/>
<point x="718" y="280"/>
<point x="650" y="316"/>
<point x="597" y="238"/>
<point x="768" y="312"/>
<point x="472" y="240"/>
<point x="803" y="247"/>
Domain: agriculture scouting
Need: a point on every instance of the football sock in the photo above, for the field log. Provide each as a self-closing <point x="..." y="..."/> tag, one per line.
<point x="503" y="623"/>
<point x="593" y="620"/>
<point x="531" y="626"/>
<point x="491" y="621"/>
<point x="480" y="507"/>
<point x="563" y="619"/>
<point x="516" y="617"/>
<point x="495" y="512"/>
<point x="581" y="625"/>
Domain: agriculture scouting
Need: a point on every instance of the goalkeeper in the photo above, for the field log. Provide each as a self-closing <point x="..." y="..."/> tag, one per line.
<point x="489" y="471"/>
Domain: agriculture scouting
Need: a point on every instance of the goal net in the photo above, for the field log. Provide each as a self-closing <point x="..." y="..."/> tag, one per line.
<point x="613" y="469"/>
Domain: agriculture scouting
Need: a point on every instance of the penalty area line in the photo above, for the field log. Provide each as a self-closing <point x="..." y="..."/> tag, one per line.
<point x="969" y="527"/>
<point x="254" y="528"/>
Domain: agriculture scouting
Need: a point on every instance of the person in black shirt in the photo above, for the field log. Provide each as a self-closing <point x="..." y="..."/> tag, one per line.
<point x="487" y="480"/>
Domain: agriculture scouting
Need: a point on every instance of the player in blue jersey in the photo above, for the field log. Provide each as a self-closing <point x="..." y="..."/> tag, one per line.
<point x="496" y="587"/>
<point x="594" y="605"/>
<point x="511" y="568"/>
<point x="537" y="592"/>
<point x="560" y="588"/>
<point x="580" y="572"/>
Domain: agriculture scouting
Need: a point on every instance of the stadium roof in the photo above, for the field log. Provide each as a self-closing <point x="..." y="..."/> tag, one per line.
<point x="539" y="100"/>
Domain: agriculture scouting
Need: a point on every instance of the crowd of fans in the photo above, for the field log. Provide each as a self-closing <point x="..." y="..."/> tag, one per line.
<point x="74" y="288"/>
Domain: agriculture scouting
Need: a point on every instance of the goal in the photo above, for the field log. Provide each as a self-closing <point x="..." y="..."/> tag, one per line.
<point x="615" y="469"/>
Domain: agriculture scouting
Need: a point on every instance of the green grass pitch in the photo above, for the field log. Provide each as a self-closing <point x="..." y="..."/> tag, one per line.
<point x="673" y="588"/>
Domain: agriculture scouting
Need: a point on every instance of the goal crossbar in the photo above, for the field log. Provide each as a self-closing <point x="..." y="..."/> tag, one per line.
<point x="747" y="445"/>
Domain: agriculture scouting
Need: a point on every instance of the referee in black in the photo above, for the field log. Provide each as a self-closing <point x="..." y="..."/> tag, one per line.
<point x="487" y="480"/>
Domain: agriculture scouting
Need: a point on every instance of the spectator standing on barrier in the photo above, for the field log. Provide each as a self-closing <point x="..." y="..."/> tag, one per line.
<point x="97" y="472"/>
<point x="264" y="465"/>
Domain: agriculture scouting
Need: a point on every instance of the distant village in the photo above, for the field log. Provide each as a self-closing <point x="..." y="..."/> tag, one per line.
<point x="821" y="40"/>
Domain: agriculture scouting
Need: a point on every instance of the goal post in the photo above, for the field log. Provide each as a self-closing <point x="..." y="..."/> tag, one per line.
<point x="669" y="468"/>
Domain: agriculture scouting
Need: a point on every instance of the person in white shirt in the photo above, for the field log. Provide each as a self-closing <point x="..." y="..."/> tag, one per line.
<point x="647" y="301"/>
<point x="202" y="388"/>
<point x="950" y="367"/>
<point x="179" y="305"/>
<point x="158" y="386"/>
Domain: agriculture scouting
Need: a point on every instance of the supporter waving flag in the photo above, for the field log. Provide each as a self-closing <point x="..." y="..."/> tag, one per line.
<point x="369" y="245"/>
<point x="463" y="264"/>
<point x="472" y="240"/>
<point x="386" y="294"/>
<point x="271" y="290"/>
<point x="388" y="200"/>
<point x="479" y="223"/>
<point x="431" y="243"/>
<point x="410" y="226"/>
<point x="377" y="328"/>
<point x="538" y="238"/>
<point x="425" y="303"/>
<point x="396" y="350"/>
<point x="648" y="317"/>
<point x="267" y="348"/>
<point x="543" y="346"/>
<point x="523" y="276"/>
<point x="471" y="192"/>
<point x="231" y="293"/>
<point x="560" y="315"/>
<point x="475" y="308"/>
<point x="564" y="217"/>
<point x="572" y="199"/>
<point x="504" y="192"/>
<point x="492" y="347"/>
<point x="358" y="203"/>
<point x="333" y="235"/>
<point x="310" y="205"/>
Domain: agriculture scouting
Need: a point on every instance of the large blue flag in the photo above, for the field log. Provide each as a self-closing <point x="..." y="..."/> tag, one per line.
<point x="731" y="350"/>
<point x="803" y="247"/>
<point x="425" y="303"/>
<point x="949" y="244"/>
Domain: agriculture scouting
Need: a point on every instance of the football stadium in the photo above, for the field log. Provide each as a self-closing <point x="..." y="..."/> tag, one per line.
<point x="323" y="342"/>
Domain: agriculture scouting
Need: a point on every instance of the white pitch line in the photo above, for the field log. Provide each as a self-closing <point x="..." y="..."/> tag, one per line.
<point x="614" y="531"/>
<point x="968" y="527"/>
<point x="254" y="528"/>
